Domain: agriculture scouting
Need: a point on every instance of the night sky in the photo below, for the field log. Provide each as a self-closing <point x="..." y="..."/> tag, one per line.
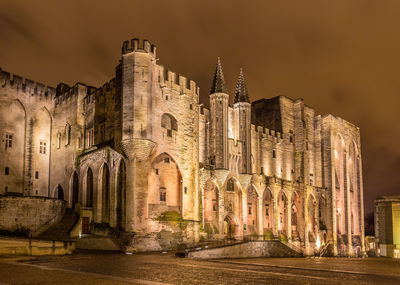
<point x="341" y="57"/>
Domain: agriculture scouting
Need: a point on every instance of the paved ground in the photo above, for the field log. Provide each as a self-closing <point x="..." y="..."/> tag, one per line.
<point x="157" y="268"/>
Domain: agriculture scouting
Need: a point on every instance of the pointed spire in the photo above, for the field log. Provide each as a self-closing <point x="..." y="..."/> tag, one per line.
<point x="218" y="84"/>
<point x="241" y="90"/>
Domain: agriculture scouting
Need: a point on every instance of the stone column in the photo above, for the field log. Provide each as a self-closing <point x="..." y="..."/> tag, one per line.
<point x="306" y="228"/>
<point x="348" y="205"/>
<point x="244" y="212"/>
<point x="361" y="197"/>
<point x="276" y="216"/>
<point x="129" y="188"/>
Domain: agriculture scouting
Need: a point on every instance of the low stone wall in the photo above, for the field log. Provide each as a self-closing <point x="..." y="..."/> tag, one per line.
<point x="29" y="215"/>
<point x="246" y="250"/>
<point x="32" y="247"/>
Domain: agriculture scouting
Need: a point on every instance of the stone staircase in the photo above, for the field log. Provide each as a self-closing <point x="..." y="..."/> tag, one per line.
<point x="61" y="230"/>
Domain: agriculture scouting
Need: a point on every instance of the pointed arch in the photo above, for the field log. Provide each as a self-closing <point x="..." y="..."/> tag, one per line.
<point x="105" y="193"/>
<point x="13" y="140"/>
<point x="252" y="209"/>
<point x="58" y="192"/>
<point x="121" y="195"/>
<point x="282" y="202"/>
<point x="268" y="210"/>
<point x="211" y="207"/>
<point x="89" y="188"/>
<point x="165" y="186"/>
<point x="74" y="189"/>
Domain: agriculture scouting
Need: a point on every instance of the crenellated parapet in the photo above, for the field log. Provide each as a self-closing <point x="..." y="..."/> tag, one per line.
<point x="177" y="82"/>
<point x="269" y="134"/>
<point x="25" y="85"/>
<point x="136" y="45"/>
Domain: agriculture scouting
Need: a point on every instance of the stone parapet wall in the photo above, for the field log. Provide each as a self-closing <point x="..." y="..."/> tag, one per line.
<point x="30" y="215"/>
<point x="32" y="247"/>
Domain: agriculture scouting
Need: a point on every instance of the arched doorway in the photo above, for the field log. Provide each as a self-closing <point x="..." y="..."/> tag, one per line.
<point x="59" y="192"/>
<point x="233" y="204"/>
<point x="121" y="194"/>
<point x="211" y="207"/>
<point x="75" y="189"/>
<point x="89" y="188"/>
<point x="229" y="228"/>
<point x="105" y="187"/>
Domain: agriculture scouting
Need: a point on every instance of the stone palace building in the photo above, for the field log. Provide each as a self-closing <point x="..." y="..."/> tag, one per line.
<point x="141" y="156"/>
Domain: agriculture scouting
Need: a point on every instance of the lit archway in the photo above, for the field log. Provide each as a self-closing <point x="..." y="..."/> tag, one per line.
<point x="89" y="188"/>
<point x="252" y="210"/>
<point x="268" y="211"/>
<point x="211" y="206"/>
<point x="165" y="186"/>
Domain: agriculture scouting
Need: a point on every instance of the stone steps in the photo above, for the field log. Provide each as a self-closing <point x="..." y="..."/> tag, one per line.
<point x="61" y="230"/>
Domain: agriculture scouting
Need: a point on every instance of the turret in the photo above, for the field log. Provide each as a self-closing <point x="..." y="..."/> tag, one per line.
<point x="219" y="102"/>
<point x="134" y="76"/>
<point x="242" y="109"/>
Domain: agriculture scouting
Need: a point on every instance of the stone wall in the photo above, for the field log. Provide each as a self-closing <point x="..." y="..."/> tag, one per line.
<point x="32" y="215"/>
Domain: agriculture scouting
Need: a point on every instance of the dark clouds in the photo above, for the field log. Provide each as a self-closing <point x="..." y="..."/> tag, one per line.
<point x="342" y="57"/>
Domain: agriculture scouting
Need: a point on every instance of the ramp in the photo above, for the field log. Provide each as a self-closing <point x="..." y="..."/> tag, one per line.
<point x="249" y="249"/>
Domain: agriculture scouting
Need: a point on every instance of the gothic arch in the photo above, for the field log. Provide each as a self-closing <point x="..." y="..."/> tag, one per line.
<point x="121" y="194"/>
<point x="74" y="190"/>
<point x="312" y="217"/>
<point x="268" y="210"/>
<point x="211" y="207"/>
<point x="104" y="184"/>
<point x="58" y="192"/>
<point x="89" y="183"/>
<point x="252" y="209"/>
<point x="165" y="186"/>
<point x="12" y="151"/>
<point x="282" y="201"/>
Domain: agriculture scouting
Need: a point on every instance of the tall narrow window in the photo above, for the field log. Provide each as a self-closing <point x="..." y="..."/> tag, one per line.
<point x="163" y="194"/>
<point x="273" y="154"/>
<point x="9" y="141"/>
<point x="67" y="134"/>
<point x="43" y="147"/>
<point x="249" y="205"/>
<point x="58" y="140"/>
<point x="6" y="171"/>
<point x="266" y="210"/>
<point x="36" y="174"/>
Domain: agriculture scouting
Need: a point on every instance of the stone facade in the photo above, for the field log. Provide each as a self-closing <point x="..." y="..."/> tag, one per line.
<point x="387" y="225"/>
<point x="146" y="158"/>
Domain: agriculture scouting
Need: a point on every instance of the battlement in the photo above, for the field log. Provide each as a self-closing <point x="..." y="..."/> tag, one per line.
<point x="177" y="82"/>
<point x="268" y="133"/>
<point x="26" y="85"/>
<point x="64" y="92"/>
<point x="138" y="45"/>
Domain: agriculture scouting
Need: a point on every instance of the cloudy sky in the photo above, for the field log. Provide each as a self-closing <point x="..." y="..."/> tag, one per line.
<point x="342" y="57"/>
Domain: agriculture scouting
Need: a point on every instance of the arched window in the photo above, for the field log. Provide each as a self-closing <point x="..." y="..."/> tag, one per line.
<point x="67" y="134"/>
<point x="89" y="188"/>
<point x="169" y="123"/>
<point x="6" y="171"/>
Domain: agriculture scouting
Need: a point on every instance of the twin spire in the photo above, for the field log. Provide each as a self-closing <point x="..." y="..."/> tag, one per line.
<point x="219" y="86"/>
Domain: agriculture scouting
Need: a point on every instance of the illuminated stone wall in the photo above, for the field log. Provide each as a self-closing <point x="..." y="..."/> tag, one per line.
<point x="144" y="156"/>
